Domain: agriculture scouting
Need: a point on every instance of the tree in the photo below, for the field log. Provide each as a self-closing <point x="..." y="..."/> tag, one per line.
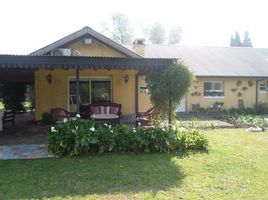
<point x="247" y="41"/>
<point x="119" y="30"/>
<point x="232" y="41"/>
<point x="236" y="42"/>
<point x="13" y="95"/>
<point x="157" y="33"/>
<point x="122" y="32"/>
<point x="175" y="35"/>
<point x="168" y="87"/>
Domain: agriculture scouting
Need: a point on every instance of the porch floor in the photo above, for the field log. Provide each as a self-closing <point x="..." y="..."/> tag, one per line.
<point x="24" y="151"/>
<point x="23" y="132"/>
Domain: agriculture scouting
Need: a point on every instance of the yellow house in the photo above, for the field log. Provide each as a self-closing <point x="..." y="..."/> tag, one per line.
<point x="101" y="69"/>
<point x="104" y="70"/>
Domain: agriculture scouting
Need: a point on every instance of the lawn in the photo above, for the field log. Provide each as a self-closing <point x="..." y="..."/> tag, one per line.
<point x="236" y="167"/>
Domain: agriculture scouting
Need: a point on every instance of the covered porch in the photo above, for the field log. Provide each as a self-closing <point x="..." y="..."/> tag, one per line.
<point x="60" y="81"/>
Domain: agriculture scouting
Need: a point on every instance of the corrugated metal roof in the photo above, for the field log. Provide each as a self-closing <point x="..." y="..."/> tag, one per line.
<point x="216" y="61"/>
<point x="66" y="62"/>
<point x="85" y="32"/>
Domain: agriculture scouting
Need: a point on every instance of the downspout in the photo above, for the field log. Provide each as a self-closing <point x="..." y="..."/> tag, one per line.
<point x="77" y="90"/>
<point x="257" y="92"/>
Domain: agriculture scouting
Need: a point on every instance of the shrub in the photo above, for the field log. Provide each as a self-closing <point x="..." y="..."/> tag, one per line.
<point x="47" y="119"/>
<point x="73" y="138"/>
<point x="248" y="121"/>
<point x="258" y="109"/>
<point x="242" y="111"/>
<point x="261" y="108"/>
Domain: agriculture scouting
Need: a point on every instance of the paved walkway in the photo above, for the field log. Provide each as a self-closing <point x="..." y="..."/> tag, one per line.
<point x="23" y="151"/>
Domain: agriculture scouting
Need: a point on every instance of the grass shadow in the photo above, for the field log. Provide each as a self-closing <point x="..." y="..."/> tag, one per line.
<point x="107" y="174"/>
<point x="187" y="154"/>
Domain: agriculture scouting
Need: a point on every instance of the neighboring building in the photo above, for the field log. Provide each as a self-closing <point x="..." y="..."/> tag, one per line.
<point x="231" y="75"/>
<point x="108" y="71"/>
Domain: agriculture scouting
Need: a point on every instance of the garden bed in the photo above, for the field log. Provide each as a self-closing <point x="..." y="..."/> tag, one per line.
<point x="77" y="137"/>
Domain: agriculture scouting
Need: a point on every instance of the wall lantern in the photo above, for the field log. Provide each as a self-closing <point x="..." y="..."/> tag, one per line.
<point x="49" y="78"/>
<point x="125" y="78"/>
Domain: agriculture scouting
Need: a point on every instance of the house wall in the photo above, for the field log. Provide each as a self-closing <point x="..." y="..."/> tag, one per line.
<point x="95" y="49"/>
<point x="230" y="98"/>
<point x="143" y="96"/>
<point x="56" y="94"/>
<point x="263" y="96"/>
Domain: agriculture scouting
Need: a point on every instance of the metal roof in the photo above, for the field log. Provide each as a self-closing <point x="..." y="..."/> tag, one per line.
<point x="83" y="33"/>
<point x="216" y="61"/>
<point x="67" y="62"/>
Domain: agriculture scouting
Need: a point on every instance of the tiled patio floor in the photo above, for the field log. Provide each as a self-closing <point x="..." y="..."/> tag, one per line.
<point x="24" y="151"/>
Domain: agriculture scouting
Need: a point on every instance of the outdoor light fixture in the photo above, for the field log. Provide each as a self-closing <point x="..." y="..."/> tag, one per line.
<point x="125" y="78"/>
<point x="49" y="78"/>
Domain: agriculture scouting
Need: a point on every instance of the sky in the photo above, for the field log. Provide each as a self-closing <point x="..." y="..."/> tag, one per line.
<point x="31" y="24"/>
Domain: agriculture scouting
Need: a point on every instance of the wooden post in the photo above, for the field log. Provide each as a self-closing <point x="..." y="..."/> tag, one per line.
<point x="77" y="90"/>
<point x="136" y="94"/>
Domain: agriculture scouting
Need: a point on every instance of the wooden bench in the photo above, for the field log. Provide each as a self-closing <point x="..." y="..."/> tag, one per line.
<point x="8" y="117"/>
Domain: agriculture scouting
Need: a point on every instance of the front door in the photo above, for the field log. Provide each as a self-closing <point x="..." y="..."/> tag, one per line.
<point x="182" y="106"/>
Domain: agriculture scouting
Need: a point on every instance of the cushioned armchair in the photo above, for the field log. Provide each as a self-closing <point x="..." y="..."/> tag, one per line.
<point x="59" y="114"/>
<point x="144" y="118"/>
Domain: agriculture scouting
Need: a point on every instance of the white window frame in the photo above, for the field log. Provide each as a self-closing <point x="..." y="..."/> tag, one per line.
<point x="89" y="79"/>
<point x="222" y="90"/>
<point x="263" y="85"/>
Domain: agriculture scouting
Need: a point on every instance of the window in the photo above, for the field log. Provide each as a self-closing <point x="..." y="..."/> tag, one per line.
<point x="100" y="91"/>
<point x="84" y="92"/>
<point x="213" y="89"/>
<point x="91" y="90"/>
<point x="263" y="87"/>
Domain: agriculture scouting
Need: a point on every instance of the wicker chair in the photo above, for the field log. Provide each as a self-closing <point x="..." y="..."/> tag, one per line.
<point x="59" y="114"/>
<point x="144" y="118"/>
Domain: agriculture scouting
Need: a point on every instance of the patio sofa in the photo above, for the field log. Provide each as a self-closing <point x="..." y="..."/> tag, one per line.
<point x="106" y="112"/>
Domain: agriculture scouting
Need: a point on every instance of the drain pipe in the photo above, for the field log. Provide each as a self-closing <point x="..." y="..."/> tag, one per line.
<point x="257" y="92"/>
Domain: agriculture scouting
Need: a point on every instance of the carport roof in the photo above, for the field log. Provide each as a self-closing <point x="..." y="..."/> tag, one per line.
<point x="22" y="67"/>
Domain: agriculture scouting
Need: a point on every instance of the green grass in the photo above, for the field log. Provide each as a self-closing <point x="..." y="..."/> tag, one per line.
<point x="236" y="167"/>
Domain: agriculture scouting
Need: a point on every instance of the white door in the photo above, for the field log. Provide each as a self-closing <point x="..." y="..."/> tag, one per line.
<point x="182" y="106"/>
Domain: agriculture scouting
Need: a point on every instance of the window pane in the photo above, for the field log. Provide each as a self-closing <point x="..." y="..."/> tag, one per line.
<point x="100" y="91"/>
<point x="217" y="86"/>
<point x="84" y="92"/>
<point x="263" y="87"/>
<point x="208" y="86"/>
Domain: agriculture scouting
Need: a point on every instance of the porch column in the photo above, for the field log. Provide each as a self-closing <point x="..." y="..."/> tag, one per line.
<point x="136" y="94"/>
<point x="77" y="90"/>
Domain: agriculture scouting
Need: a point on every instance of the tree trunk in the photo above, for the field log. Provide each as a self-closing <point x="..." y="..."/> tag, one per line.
<point x="169" y="111"/>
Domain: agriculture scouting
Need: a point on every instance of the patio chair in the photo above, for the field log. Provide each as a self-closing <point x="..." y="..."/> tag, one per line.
<point x="8" y="117"/>
<point x="144" y="118"/>
<point x="59" y="114"/>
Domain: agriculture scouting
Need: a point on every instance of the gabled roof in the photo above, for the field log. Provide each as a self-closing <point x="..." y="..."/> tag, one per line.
<point x="85" y="32"/>
<point x="216" y="61"/>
